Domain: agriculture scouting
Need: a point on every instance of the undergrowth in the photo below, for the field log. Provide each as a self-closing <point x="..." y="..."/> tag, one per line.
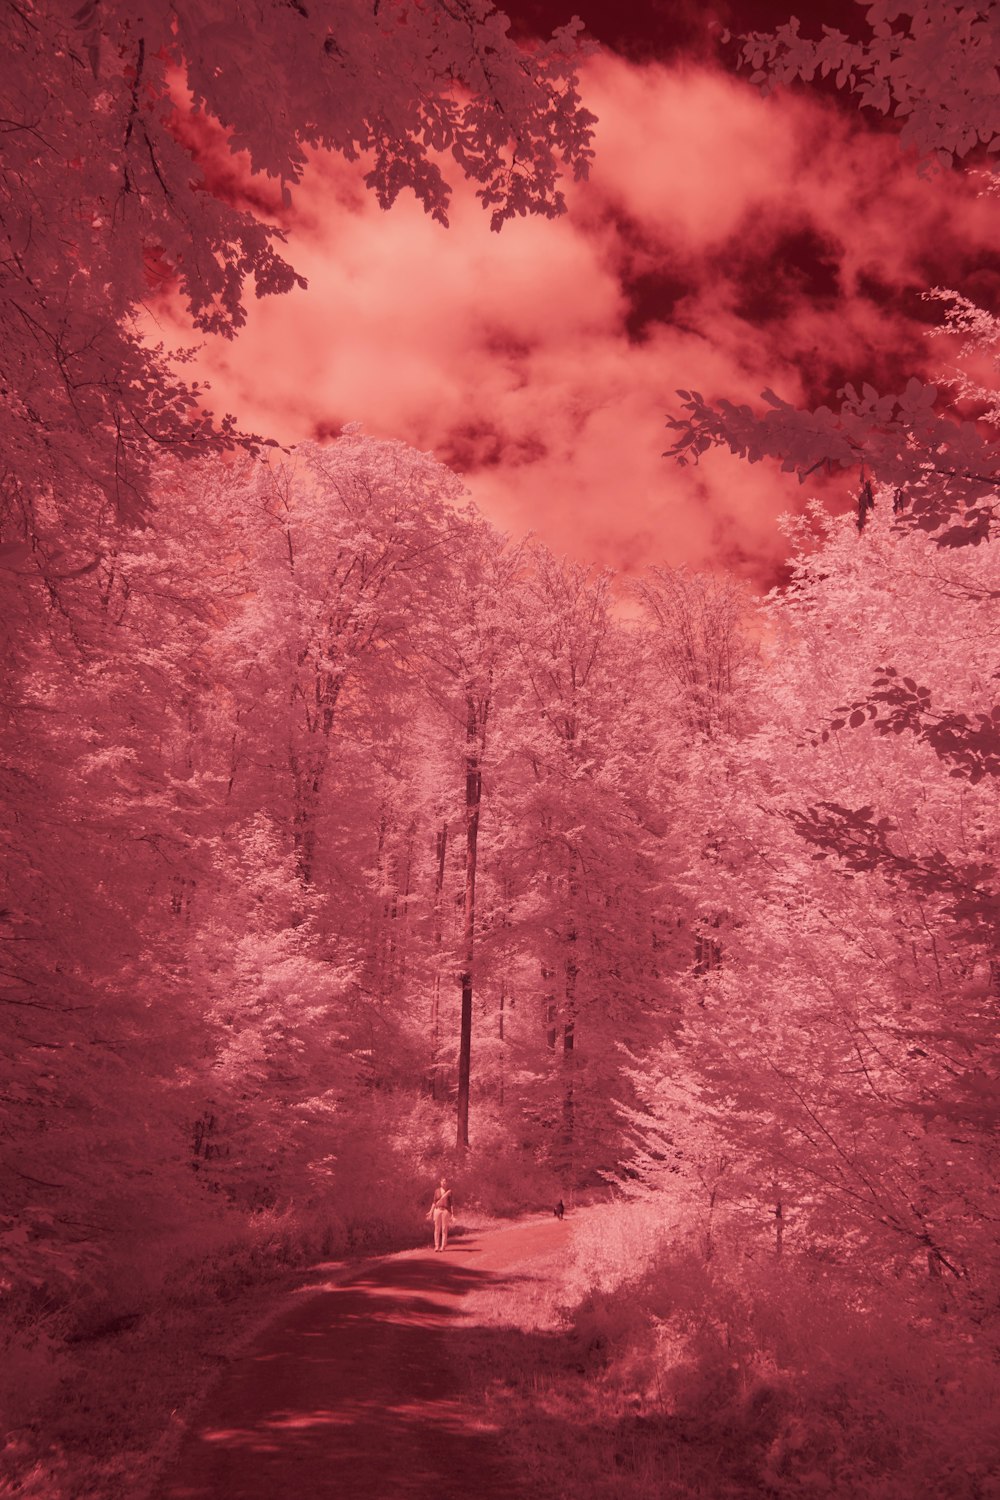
<point x="98" y="1374"/>
<point x="95" y="1412"/>
<point x="639" y="1371"/>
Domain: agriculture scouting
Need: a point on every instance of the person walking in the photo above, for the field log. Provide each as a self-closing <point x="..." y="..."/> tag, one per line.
<point x="440" y="1212"/>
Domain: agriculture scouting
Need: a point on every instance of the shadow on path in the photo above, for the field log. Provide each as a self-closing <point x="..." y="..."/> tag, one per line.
<point x="354" y="1393"/>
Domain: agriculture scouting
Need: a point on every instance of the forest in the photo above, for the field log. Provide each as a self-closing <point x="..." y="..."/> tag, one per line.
<point x="348" y="839"/>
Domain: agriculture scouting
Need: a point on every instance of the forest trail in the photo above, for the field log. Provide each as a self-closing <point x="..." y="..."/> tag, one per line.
<point x="355" y="1392"/>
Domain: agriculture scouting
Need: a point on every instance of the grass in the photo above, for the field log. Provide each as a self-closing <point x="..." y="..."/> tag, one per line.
<point x="116" y="1403"/>
<point x="632" y="1371"/>
<point x="623" y="1369"/>
<point x="568" y="1430"/>
<point x="98" y="1418"/>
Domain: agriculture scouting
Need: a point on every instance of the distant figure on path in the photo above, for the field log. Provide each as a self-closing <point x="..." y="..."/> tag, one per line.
<point x="440" y="1212"/>
<point x="559" y="1209"/>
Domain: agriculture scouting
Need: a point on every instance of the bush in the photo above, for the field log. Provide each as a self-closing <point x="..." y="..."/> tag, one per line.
<point x="499" y="1177"/>
<point x="792" y="1380"/>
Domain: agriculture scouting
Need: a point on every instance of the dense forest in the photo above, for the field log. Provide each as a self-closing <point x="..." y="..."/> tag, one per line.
<point x="347" y="838"/>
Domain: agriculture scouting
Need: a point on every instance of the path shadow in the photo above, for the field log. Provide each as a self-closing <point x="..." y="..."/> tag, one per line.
<point x="441" y="1273"/>
<point x="355" y="1393"/>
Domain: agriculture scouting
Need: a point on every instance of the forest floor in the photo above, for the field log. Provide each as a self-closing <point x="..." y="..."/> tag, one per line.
<point x="385" y="1380"/>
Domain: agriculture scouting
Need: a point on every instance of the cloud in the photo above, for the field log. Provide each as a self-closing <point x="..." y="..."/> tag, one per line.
<point x="725" y="242"/>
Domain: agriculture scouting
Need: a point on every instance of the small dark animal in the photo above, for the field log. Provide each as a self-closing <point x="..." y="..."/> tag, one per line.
<point x="559" y="1209"/>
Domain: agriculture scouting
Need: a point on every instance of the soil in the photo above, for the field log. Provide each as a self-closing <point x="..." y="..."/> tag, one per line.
<point x="355" y="1390"/>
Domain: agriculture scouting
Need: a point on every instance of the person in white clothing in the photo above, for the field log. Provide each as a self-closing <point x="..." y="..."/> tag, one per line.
<point x="440" y="1212"/>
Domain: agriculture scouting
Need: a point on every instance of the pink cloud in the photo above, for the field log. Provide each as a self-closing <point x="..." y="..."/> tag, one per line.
<point x="685" y="151"/>
<point x="725" y="243"/>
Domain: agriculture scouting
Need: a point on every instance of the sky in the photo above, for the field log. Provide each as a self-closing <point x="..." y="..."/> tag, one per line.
<point x="724" y="242"/>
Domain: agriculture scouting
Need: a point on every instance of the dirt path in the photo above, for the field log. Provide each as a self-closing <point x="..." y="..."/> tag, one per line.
<point x="354" y="1392"/>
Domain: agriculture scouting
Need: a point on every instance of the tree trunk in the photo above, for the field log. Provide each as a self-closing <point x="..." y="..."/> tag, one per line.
<point x="309" y="766"/>
<point x="308" y="770"/>
<point x="500" y="1089"/>
<point x="473" y="799"/>
<point x="401" y="928"/>
<point x="465" y="1060"/>
<point x="549" y="1007"/>
<point x="441" y="851"/>
<point x="569" y="1059"/>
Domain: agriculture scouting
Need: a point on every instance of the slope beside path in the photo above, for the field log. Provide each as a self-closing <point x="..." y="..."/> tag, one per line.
<point x="355" y="1392"/>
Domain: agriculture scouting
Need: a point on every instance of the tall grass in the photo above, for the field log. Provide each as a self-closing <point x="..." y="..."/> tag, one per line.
<point x="669" y="1377"/>
<point x="97" y="1372"/>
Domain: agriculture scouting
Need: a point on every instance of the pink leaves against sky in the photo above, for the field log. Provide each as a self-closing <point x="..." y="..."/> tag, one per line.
<point x="724" y="242"/>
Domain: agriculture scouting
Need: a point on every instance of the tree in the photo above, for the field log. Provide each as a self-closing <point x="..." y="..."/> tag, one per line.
<point x="468" y="650"/>
<point x="578" y="855"/>
<point x="933" y="462"/>
<point x="934" y="66"/>
<point x="106" y="199"/>
<point x="176" y="992"/>
<point x="942" y="473"/>
<point x="699" y="645"/>
<point x="841" y="1056"/>
<point x="354" y="542"/>
<point x="103" y="827"/>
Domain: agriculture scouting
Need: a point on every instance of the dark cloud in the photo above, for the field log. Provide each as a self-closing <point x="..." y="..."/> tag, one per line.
<point x="659" y="29"/>
<point x="480" y="446"/>
<point x="327" y="429"/>
<point x="903" y="299"/>
<point x="950" y="261"/>
<point x="654" y="297"/>
<point x="887" y="369"/>
<point x="775" y="266"/>
<point x="981" y="284"/>
<point x="767" y="15"/>
<point x="663" y="30"/>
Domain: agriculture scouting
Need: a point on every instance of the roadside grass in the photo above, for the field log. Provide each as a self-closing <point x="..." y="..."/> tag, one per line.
<point x="623" y="1367"/>
<point x="568" y="1432"/>
<point x="631" y="1369"/>
<point x="95" y="1395"/>
<point x="116" y="1403"/>
<point x="99" y="1414"/>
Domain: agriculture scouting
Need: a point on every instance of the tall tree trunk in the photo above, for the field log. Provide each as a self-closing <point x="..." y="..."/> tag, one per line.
<point x="549" y="1007"/>
<point x="570" y="972"/>
<point x="441" y="851"/>
<point x="307" y="776"/>
<point x="309" y="766"/>
<point x="473" y="799"/>
<point x="401" y="947"/>
<point x="569" y="1058"/>
<point x="505" y="923"/>
<point x="500" y="1087"/>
